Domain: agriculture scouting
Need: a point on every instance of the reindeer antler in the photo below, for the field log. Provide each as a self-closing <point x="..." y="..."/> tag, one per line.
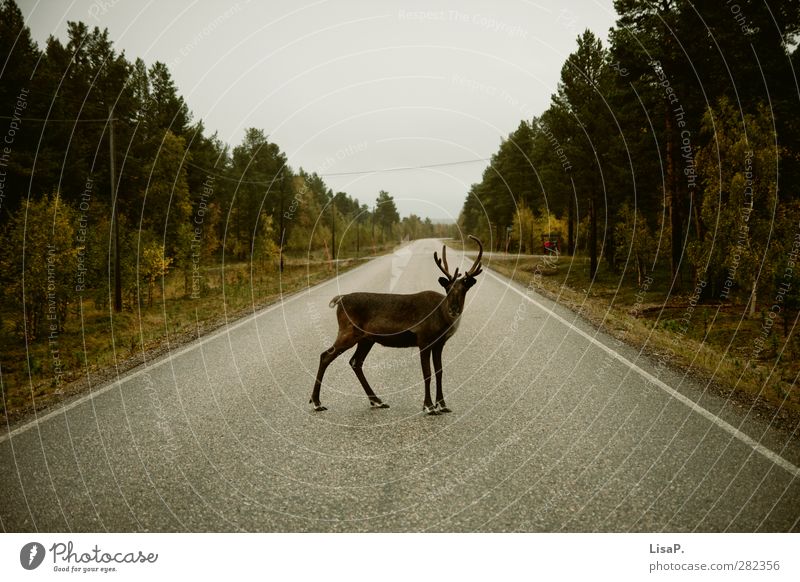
<point x="445" y="269"/>
<point x="475" y="269"/>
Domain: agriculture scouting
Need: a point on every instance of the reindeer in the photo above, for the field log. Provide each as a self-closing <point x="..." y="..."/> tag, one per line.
<point x="425" y="320"/>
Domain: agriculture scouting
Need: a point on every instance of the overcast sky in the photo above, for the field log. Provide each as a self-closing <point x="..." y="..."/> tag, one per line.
<point x="346" y="86"/>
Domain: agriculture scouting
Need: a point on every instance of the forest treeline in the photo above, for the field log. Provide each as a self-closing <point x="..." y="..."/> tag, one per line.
<point x="182" y="198"/>
<point x="673" y="149"/>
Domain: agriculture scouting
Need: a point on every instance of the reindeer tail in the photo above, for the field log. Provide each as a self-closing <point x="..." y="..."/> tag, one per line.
<point x="335" y="301"/>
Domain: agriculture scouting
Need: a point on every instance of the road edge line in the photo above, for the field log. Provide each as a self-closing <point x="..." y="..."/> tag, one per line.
<point x="160" y="360"/>
<point x="769" y="454"/>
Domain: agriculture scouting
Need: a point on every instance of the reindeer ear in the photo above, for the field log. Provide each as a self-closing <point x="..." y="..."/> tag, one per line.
<point x="444" y="282"/>
<point x="469" y="281"/>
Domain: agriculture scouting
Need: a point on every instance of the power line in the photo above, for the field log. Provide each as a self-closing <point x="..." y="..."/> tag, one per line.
<point x="353" y="173"/>
<point x="228" y="178"/>
<point x="102" y="119"/>
<point x="403" y="168"/>
<point x="261" y="183"/>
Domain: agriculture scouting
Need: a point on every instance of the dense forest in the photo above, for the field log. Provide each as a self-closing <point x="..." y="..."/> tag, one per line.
<point x="670" y="150"/>
<point x="172" y="197"/>
<point x="673" y="149"/>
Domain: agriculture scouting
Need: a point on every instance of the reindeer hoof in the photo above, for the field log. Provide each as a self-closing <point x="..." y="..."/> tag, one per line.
<point x="443" y="408"/>
<point x="431" y="410"/>
<point x="319" y="408"/>
<point x="378" y="404"/>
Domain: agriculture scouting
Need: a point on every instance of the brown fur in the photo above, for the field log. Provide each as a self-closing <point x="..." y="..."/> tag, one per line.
<point x="425" y="320"/>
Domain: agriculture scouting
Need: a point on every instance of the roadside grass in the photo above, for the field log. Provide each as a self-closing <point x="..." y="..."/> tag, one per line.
<point x="713" y="342"/>
<point x="97" y="344"/>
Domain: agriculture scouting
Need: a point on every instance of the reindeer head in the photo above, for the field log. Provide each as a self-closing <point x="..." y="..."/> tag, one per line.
<point x="455" y="286"/>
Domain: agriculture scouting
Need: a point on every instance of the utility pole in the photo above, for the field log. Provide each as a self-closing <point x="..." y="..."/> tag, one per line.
<point x="115" y="215"/>
<point x="283" y="230"/>
<point x="592" y="238"/>
<point x="333" y="229"/>
<point x="358" y="233"/>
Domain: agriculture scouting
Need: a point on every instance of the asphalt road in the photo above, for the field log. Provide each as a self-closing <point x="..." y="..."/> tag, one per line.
<point x="554" y="427"/>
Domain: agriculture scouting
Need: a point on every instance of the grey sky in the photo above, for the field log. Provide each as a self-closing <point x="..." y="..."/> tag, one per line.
<point x="343" y="86"/>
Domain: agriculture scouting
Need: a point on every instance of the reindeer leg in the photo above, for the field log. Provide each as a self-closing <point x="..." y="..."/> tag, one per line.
<point x="341" y="345"/>
<point x="356" y="362"/>
<point x="425" y="356"/>
<point x="437" y="367"/>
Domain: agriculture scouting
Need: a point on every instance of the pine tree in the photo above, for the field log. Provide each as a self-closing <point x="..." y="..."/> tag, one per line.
<point x="587" y="130"/>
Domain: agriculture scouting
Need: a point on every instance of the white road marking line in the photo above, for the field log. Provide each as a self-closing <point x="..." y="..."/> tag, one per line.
<point x="788" y="466"/>
<point x="161" y="360"/>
